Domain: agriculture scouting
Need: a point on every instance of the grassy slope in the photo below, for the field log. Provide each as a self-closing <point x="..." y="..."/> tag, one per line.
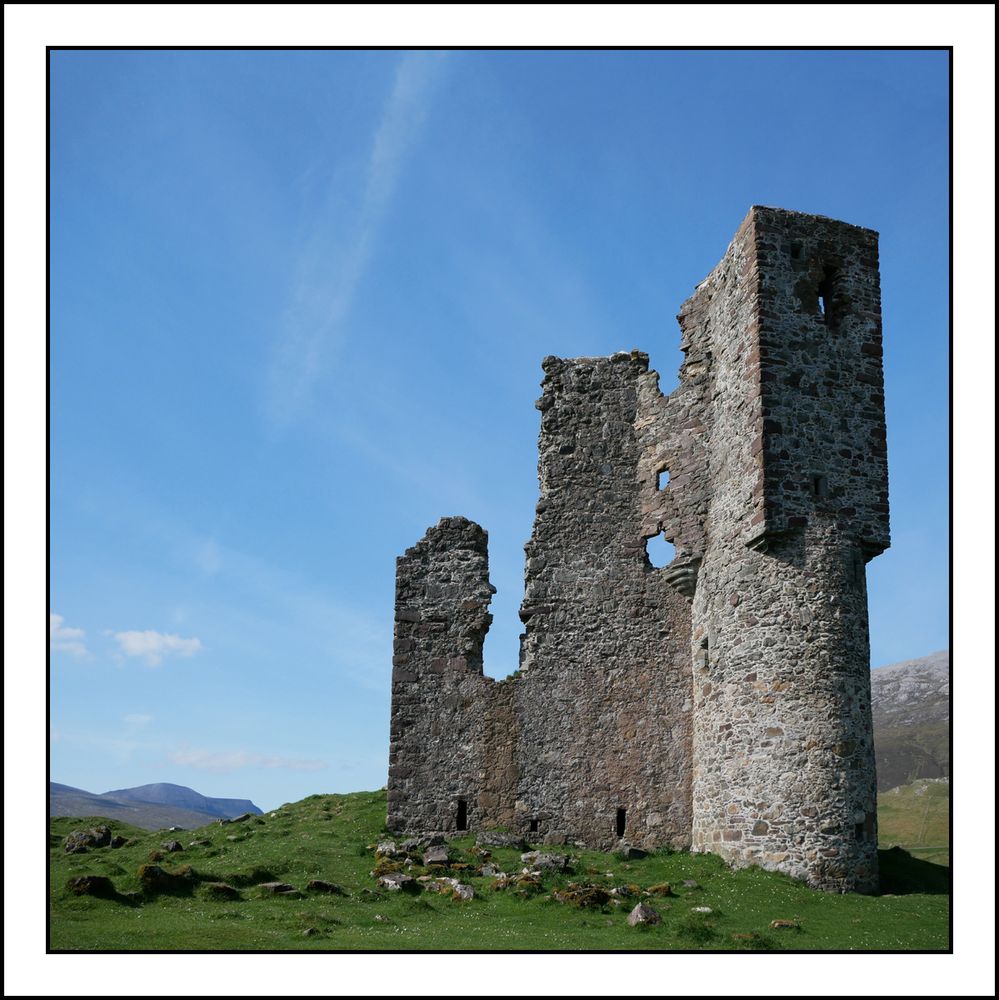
<point x="325" y="836"/>
<point x="916" y="817"/>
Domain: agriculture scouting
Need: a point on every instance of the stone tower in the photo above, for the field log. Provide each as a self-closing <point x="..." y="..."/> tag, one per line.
<point x="721" y="703"/>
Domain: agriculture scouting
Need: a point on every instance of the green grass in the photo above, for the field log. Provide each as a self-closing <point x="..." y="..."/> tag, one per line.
<point x="915" y="817"/>
<point x="327" y="837"/>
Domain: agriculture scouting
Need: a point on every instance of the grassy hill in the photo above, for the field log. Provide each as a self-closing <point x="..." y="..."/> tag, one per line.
<point x="330" y="837"/>
<point x="915" y="817"/>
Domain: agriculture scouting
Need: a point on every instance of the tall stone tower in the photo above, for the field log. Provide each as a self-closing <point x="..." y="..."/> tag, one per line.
<point x="721" y="702"/>
<point x="783" y="343"/>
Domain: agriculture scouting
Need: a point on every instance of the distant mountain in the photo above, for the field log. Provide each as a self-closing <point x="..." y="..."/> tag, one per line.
<point x="911" y="707"/>
<point x="165" y="794"/>
<point x="152" y="807"/>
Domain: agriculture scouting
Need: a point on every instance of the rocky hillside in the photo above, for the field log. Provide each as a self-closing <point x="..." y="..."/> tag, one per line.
<point x="911" y="704"/>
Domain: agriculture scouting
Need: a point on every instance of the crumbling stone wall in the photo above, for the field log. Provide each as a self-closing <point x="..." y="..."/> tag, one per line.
<point x="721" y="702"/>
<point x="604" y="705"/>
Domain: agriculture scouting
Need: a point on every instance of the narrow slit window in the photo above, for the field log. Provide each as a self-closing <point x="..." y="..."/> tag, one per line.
<point x="534" y="826"/>
<point x="663" y="480"/>
<point x="461" y="820"/>
<point x="825" y="298"/>
<point x="858" y="831"/>
<point x="704" y="658"/>
<point x="622" y="816"/>
<point x="820" y="486"/>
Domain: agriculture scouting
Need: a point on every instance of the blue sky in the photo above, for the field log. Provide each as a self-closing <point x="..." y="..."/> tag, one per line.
<point x="299" y="305"/>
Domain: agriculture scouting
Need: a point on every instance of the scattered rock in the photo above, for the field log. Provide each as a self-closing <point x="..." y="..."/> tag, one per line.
<point x="380" y="918"/>
<point x="387" y="849"/>
<point x="451" y="887"/>
<point x="494" y="838"/>
<point x="318" y="885"/>
<point x="643" y="914"/>
<point x="80" y="841"/>
<point x="117" y="841"/>
<point x="241" y="818"/>
<point x="662" y="889"/>
<point x="701" y="909"/>
<point x="689" y="883"/>
<point x="277" y="888"/>
<point x="234" y="837"/>
<point x="628" y="852"/>
<point x="490" y="871"/>
<point x="176" y="829"/>
<point x="200" y="843"/>
<point x="547" y="862"/>
<point x="155" y="856"/>
<point x="156" y="879"/>
<point x="220" y="890"/>
<point x="785" y="925"/>
<point x="625" y="891"/>
<point x="309" y="932"/>
<point x="92" y="885"/>
<point x="435" y="856"/>
<point x="581" y="895"/>
<point x="395" y="881"/>
<point x="172" y="846"/>
<point x="423" y="841"/>
<point x="527" y="880"/>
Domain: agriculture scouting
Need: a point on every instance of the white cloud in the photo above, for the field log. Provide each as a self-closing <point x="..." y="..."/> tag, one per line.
<point x="329" y="270"/>
<point x="137" y="719"/>
<point x="66" y="640"/>
<point x="233" y="760"/>
<point x="153" y="646"/>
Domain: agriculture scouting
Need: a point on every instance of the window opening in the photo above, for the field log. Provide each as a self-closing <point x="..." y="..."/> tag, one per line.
<point x="461" y="822"/>
<point x="621" y="817"/>
<point x="659" y="551"/>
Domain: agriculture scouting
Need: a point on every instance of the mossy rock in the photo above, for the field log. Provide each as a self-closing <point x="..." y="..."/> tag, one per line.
<point x="220" y="891"/>
<point x="92" y="885"/>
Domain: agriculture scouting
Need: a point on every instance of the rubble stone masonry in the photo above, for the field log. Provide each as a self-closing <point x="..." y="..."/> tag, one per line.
<point x="721" y="703"/>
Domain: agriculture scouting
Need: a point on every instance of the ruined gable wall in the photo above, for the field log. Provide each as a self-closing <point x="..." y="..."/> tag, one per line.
<point x="604" y="702"/>
<point x="439" y="694"/>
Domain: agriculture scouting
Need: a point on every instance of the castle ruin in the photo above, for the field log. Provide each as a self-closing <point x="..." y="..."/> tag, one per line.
<point x="721" y="703"/>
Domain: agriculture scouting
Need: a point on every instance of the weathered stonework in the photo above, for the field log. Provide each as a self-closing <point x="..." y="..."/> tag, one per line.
<point x="721" y="703"/>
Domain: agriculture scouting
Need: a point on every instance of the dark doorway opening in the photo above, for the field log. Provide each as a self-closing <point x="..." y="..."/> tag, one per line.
<point x="534" y="826"/>
<point x="461" y="823"/>
<point x="621" y="818"/>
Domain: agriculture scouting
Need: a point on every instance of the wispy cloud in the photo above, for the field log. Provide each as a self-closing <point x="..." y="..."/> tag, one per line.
<point x="66" y="640"/>
<point x="234" y="760"/>
<point x="340" y="249"/>
<point x="136" y="720"/>
<point x="154" y="646"/>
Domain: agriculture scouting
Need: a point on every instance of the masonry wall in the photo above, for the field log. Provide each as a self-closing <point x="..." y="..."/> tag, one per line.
<point x="604" y="705"/>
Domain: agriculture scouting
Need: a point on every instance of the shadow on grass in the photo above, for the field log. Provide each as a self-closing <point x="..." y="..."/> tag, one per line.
<point x="902" y="874"/>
